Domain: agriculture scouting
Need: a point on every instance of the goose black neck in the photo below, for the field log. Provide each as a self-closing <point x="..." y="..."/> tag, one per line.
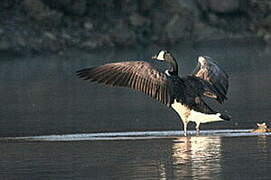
<point x="174" y="67"/>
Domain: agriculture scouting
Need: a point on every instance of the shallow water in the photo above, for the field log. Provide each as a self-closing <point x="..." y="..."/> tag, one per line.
<point x="225" y="154"/>
<point x="61" y="127"/>
<point x="117" y="136"/>
<point x="41" y="95"/>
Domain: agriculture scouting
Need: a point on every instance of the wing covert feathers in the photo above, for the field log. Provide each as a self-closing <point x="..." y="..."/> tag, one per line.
<point x="138" y="75"/>
<point x="216" y="79"/>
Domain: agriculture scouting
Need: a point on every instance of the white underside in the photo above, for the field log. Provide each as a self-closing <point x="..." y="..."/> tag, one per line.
<point x="190" y="115"/>
<point x="199" y="117"/>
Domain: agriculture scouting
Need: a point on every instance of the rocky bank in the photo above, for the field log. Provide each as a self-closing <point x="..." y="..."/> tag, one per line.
<point x="35" y="26"/>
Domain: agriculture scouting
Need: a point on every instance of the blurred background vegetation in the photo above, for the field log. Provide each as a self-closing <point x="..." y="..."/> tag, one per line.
<point x="33" y="26"/>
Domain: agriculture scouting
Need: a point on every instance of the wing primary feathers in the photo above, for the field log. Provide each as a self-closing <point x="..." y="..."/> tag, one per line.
<point x="140" y="84"/>
<point x="137" y="75"/>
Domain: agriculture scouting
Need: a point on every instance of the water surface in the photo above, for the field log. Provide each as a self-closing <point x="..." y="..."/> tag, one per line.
<point x="64" y="128"/>
<point x="209" y="156"/>
<point x="41" y="95"/>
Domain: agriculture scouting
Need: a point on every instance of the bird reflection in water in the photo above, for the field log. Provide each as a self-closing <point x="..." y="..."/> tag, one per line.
<point x="263" y="146"/>
<point x="196" y="157"/>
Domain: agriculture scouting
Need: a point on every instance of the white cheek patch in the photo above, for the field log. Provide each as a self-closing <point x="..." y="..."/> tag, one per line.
<point x="201" y="60"/>
<point x="161" y="56"/>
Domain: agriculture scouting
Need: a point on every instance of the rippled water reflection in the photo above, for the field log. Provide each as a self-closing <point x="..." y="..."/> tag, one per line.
<point x="202" y="157"/>
<point x="202" y="154"/>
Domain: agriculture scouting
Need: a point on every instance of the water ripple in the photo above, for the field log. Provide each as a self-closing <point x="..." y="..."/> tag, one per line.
<point x="135" y="135"/>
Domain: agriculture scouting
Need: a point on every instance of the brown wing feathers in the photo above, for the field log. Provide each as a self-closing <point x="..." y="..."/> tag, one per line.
<point x="216" y="79"/>
<point x="137" y="75"/>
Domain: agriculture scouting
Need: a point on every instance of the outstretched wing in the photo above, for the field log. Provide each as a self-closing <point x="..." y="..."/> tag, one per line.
<point x="216" y="79"/>
<point x="137" y="75"/>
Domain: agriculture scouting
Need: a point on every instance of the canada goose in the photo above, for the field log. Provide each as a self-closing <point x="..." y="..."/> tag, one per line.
<point x="183" y="94"/>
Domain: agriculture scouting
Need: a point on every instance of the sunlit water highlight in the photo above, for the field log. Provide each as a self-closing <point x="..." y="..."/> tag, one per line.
<point x="136" y="135"/>
<point x="215" y="154"/>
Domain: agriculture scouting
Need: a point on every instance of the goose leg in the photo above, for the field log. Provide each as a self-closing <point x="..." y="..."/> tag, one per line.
<point x="185" y="128"/>
<point x="197" y="128"/>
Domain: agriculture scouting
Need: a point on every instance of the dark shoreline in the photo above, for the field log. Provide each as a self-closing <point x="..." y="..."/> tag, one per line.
<point x="46" y="26"/>
<point x="236" y="42"/>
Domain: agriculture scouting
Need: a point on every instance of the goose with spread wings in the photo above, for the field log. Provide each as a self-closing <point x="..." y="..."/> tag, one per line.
<point x="183" y="94"/>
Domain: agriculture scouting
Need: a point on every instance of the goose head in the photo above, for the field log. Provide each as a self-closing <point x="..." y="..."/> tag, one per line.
<point x="164" y="55"/>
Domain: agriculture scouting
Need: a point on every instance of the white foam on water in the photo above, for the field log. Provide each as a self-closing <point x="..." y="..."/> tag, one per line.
<point x="137" y="135"/>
